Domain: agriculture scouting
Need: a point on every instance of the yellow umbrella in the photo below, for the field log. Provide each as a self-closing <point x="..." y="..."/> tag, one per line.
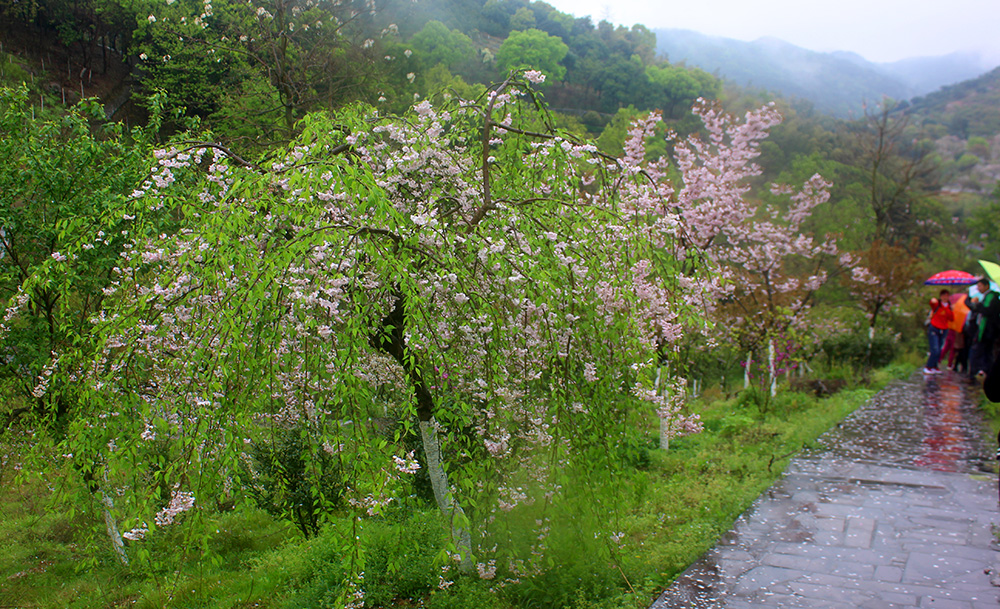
<point x="992" y="269"/>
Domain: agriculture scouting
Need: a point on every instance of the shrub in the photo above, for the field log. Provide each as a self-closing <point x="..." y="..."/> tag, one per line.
<point x="734" y="425"/>
<point x="852" y="348"/>
<point x="791" y="401"/>
<point x="633" y="452"/>
<point x="287" y="472"/>
<point x="401" y="559"/>
<point x="400" y="562"/>
<point x="466" y="593"/>
<point x="582" y="575"/>
<point x="753" y="398"/>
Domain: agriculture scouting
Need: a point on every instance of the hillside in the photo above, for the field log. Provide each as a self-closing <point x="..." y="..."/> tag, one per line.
<point x="964" y="121"/>
<point x="836" y="83"/>
<point x="927" y="74"/>
<point x="967" y="109"/>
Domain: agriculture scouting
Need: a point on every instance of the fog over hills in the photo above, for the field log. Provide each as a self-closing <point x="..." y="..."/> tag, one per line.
<point x="837" y="83"/>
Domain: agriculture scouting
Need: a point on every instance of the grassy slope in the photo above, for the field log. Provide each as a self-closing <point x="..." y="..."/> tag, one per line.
<point x="681" y="502"/>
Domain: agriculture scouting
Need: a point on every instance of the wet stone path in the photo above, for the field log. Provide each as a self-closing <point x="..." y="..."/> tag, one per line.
<point x="893" y="510"/>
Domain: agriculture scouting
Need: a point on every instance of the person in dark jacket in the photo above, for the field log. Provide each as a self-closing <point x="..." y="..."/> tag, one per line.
<point x="987" y="309"/>
<point x="991" y="384"/>
<point x="991" y="388"/>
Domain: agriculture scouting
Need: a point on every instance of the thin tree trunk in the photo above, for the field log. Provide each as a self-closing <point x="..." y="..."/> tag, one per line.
<point x="442" y="494"/>
<point x="107" y="505"/>
<point x="746" y="370"/>
<point x="664" y="423"/>
<point x="770" y="368"/>
<point x="392" y="341"/>
<point x="871" y="343"/>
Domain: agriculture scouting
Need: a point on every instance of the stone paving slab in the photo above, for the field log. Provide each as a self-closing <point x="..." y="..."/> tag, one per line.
<point x="867" y="522"/>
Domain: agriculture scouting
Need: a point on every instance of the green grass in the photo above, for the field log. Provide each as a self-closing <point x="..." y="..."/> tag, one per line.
<point x="704" y="482"/>
<point x="671" y="510"/>
<point x="51" y="559"/>
<point x="12" y="73"/>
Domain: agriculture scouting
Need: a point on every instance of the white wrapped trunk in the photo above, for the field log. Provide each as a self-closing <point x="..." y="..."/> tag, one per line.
<point x="442" y="494"/>
<point x="107" y="505"/>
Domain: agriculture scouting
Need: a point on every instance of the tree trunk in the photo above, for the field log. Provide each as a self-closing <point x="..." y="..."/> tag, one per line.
<point x="664" y="423"/>
<point x="107" y="505"/>
<point x="871" y="342"/>
<point x="460" y="534"/>
<point x="746" y="370"/>
<point x="770" y="368"/>
<point x="391" y="339"/>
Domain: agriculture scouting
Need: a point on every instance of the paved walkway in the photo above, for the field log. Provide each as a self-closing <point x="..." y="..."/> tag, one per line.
<point x="894" y="511"/>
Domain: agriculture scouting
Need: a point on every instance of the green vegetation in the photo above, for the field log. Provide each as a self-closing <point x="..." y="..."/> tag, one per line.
<point x="277" y="337"/>
<point x="59" y="179"/>
<point x="965" y="110"/>
<point x="533" y="49"/>
<point x="678" y="502"/>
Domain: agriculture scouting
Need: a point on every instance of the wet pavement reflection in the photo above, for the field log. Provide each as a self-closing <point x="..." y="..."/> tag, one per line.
<point x="893" y="509"/>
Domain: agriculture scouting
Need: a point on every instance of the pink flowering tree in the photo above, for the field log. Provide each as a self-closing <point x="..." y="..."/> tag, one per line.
<point x="499" y="288"/>
<point x="775" y="271"/>
<point x="748" y="264"/>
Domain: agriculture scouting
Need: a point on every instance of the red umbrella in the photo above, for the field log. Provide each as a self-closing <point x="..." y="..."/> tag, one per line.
<point x="951" y="278"/>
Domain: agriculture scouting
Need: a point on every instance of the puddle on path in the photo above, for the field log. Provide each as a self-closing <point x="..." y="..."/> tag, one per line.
<point x="925" y="422"/>
<point x="888" y="496"/>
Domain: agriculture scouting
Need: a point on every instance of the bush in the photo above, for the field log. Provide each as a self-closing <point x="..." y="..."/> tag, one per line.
<point x="734" y="425"/>
<point x="285" y="471"/>
<point x="633" y="452"/>
<point x="581" y="576"/>
<point x="400" y="562"/>
<point x="12" y="74"/>
<point x="466" y="593"/>
<point x="852" y="348"/>
<point x="753" y="398"/>
<point x="787" y="402"/>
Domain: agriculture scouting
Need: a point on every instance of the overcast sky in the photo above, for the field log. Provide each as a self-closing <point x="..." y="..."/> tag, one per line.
<point x="878" y="30"/>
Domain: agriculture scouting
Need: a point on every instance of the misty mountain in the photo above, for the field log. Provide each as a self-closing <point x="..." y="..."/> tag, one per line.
<point x="927" y="74"/>
<point x="836" y="83"/>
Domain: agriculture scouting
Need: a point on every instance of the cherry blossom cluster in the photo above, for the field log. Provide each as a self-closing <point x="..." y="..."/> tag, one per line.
<point x="180" y="502"/>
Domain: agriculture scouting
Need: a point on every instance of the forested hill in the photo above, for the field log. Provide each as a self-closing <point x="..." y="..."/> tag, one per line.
<point x="233" y="67"/>
<point x="963" y="120"/>
<point x="836" y="83"/>
<point x="251" y="71"/>
<point x="967" y="109"/>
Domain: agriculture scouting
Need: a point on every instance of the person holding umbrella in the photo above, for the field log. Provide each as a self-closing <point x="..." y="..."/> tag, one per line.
<point x="946" y="278"/>
<point x="937" y="329"/>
